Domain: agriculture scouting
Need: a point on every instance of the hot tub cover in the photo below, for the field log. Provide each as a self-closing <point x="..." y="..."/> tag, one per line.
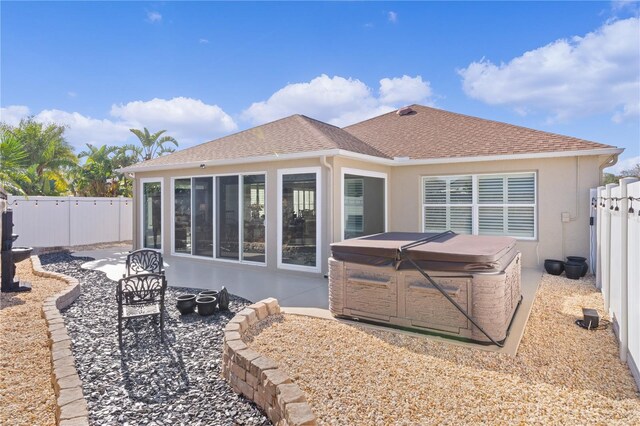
<point x="449" y="252"/>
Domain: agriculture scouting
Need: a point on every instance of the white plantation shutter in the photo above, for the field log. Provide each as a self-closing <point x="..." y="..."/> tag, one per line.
<point x="354" y="205"/>
<point x="485" y="204"/>
<point x="447" y="204"/>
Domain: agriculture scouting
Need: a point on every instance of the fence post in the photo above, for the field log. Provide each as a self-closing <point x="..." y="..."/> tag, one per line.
<point x="624" y="273"/>
<point x="600" y="224"/>
<point x="606" y="278"/>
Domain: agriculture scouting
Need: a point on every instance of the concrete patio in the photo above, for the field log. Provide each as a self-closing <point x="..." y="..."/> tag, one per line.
<point x="250" y="282"/>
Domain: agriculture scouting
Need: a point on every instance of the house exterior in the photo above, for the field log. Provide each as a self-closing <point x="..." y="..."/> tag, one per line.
<point x="277" y="195"/>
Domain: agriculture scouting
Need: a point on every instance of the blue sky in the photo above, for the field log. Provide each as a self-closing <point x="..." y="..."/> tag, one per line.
<point x="205" y="69"/>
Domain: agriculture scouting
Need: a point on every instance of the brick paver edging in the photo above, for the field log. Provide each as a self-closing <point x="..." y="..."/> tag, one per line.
<point x="257" y="377"/>
<point x="71" y="406"/>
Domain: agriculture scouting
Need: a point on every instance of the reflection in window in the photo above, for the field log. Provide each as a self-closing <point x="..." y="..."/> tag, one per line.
<point x="152" y="215"/>
<point x="299" y="219"/>
<point x="182" y="209"/>
<point x="364" y="205"/>
<point x="253" y="245"/>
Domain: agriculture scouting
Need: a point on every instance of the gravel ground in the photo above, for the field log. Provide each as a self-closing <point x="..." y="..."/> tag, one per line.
<point x="177" y="382"/>
<point x="26" y="393"/>
<point x="562" y="374"/>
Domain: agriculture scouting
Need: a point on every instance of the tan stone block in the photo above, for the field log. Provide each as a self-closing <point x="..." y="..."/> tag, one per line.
<point x="76" y="421"/>
<point x="56" y="327"/>
<point x="65" y="344"/>
<point x="242" y="321"/>
<point x="300" y="414"/>
<point x="67" y="382"/>
<point x="260" y="309"/>
<point x="251" y="380"/>
<point x="59" y="336"/>
<point x="261" y="364"/>
<point x="61" y="353"/>
<point x="232" y="326"/>
<point x="259" y="398"/>
<point x="74" y="409"/>
<point x="274" y="414"/>
<point x="235" y="346"/>
<point x="69" y="395"/>
<point x="245" y="389"/>
<point x="288" y="393"/>
<point x="250" y="314"/>
<point x="272" y="305"/>
<point x="273" y="378"/>
<point x="238" y="371"/>
<point x="63" y="371"/>
<point x="231" y="335"/>
<point x="244" y="358"/>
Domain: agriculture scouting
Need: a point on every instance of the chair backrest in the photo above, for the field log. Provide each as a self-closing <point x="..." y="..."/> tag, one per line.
<point x="141" y="289"/>
<point x="144" y="261"/>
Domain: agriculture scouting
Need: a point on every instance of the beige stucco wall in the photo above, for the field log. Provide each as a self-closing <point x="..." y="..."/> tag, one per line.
<point x="563" y="186"/>
<point x="562" y="183"/>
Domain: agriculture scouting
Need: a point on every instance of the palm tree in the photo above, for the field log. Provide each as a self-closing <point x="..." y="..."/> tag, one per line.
<point x="153" y="145"/>
<point x="13" y="160"/>
<point x="96" y="177"/>
<point x="48" y="152"/>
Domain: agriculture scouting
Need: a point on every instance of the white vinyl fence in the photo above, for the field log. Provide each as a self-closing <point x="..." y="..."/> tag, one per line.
<point x="618" y="263"/>
<point x="70" y="221"/>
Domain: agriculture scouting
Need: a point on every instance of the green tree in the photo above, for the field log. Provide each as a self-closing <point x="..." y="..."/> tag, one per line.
<point x="153" y="145"/>
<point x="49" y="156"/>
<point x="13" y="162"/>
<point x="95" y="178"/>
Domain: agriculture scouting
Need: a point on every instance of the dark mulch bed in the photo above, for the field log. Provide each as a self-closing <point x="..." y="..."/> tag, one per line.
<point x="149" y="382"/>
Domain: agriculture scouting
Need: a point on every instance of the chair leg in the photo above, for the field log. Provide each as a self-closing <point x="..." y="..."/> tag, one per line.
<point x="161" y="327"/>
<point x="120" y="332"/>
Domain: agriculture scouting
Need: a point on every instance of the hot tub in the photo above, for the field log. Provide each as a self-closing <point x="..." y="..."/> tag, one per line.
<point x="370" y="279"/>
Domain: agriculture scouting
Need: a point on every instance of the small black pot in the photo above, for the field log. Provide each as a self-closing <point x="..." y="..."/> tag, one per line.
<point x="582" y="261"/>
<point x="553" y="267"/>
<point x="213" y="293"/>
<point x="573" y="270"/>
<point x="186" y="303"/>
<point x="206" y="305"/>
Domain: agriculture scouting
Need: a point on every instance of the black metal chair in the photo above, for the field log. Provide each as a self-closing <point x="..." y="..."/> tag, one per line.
<point x="144" y="261"/>
<point x="139" y="296"/>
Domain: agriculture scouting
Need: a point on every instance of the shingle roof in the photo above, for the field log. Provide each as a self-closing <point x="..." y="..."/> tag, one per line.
<point x="426" y="133"/>
<point x="294" y="134"/>
<point x="433" y="133"/>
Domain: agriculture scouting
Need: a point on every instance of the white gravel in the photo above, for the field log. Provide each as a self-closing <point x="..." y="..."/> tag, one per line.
<point x="562" y="374"/>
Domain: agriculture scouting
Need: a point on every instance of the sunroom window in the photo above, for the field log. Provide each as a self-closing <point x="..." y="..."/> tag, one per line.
<point x="500" y="204"/>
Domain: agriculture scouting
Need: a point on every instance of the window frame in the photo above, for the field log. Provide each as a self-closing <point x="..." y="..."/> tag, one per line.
<point x="214" y="258"/>
<point x="475" y="205"/>
<point x="364" y="173"/>
<point x="141" y="233"/>
<point x="319" y="224"/>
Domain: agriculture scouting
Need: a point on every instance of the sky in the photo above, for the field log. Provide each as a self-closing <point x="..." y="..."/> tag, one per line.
<point x="201" y="70"/>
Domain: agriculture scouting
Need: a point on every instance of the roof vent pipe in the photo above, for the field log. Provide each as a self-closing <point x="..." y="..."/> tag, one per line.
<point x="404" y="111"/>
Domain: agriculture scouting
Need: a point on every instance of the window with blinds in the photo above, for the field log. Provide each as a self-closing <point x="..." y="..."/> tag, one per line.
<point x="354" y="205"/>
<point x="502" y="204"/>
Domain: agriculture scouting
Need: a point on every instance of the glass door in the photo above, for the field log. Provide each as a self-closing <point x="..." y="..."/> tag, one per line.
<point x="152" y="215"/>
<point x="364" y="205"/>
<point x="299" y="211"/>
<point x="253" y="218"/>
<point x="203" y="216"/>
<point x="182" y="216"/>
<point x="228" y="241"/>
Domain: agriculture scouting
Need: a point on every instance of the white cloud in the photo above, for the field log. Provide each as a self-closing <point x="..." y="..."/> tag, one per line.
<point x="625" y="164"/>
<point x="12" y="114"/>
<point x="154" y="17"/>
<point x="190" y="121"/>
<point x="404" y="89"/>
<point x="393" y="17"/>
<point x="597" y="73"/>
<point x="338" y="100"/>
<point x="72" y="94"/>
<point x="203" y="41"/>
<point x="82" y="129"/>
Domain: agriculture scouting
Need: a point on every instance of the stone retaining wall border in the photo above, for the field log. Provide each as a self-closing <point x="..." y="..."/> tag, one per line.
<point x="71" y="404"/>
<point x="258" y="377"/>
